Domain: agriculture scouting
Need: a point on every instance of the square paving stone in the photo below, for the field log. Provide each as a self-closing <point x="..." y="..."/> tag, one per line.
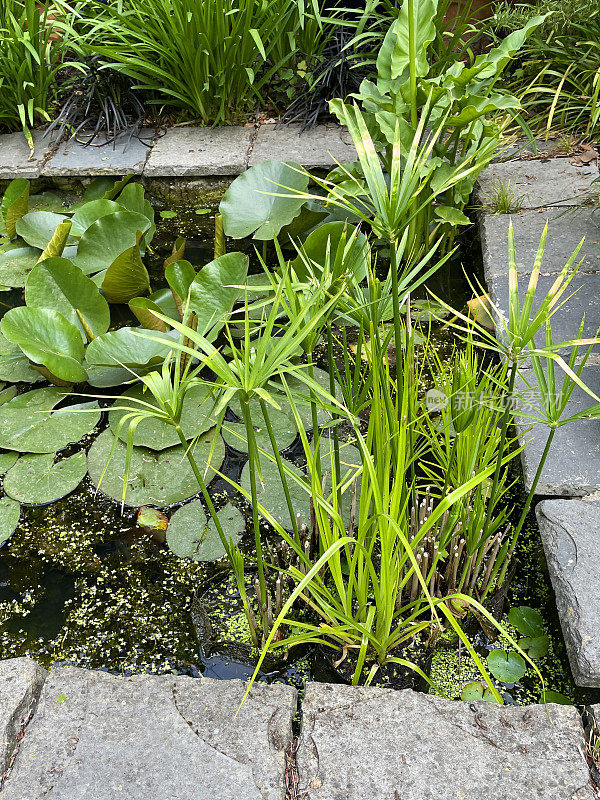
<point x="565" y="231"/>
<point x="15" y="159"/>
<point x="21" y="681"/>
<point x="322" y="146"/>
<point x="572" y="468"/>
<point x="200" y="152"/>
<point x="570" y="531"/>
<point x="381" y="744"/>
<point x="126" y="155"/>
<point x="540" y="183"/>
<point x="97" y="736"/>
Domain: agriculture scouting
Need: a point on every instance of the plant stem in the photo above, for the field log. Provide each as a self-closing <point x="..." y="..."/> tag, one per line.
<point x="207" y="498"/>
<point x="282" y="475"/>
<point x="397" y="325"/>
<point x="335" y="435"/>
<point x="313" y="409"/>
<point x="253" y="463"/>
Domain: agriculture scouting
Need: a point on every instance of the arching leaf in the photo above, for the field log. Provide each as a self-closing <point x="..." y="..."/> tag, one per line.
<point x="10" y="511"/>
<point x="191" y="534"/>
<point x="59" y="285"/>
<point x="117" y="356"/>
<point x="16" y="264"/>
<point x="254" y="203"/>
<point x="14" y="204"/>
<point x="88" y="213"/>
<point x="215" y="289"/>
<point x="350" y="254"/>
<point x="37" y="227"/>
<point x="126" y="277"/>
<point x="132" y="198"/>
<point x="48" y="339"/>
<point x="7" y="460"/>
<point x="14" y="364"/>
<point x="107" y="238"/>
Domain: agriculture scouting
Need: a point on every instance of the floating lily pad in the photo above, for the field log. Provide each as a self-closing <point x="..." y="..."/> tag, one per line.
<point x="16" y="264"/>
<point x="527" y="621"/>
<point x="110" y="357"/>
<point x="107" y="238"/>
<point x="156" y="478"/>
<point x="7" y="460"/>
<point x="536" y="646"/>
<point x="88" y="213"/>
<point x="14" y="364"/>
<point x="507" y="667"/>
<point x="476" y="691"/>
<point x="10" y="511"/>
<point x="6" y="395"/>
<point x="271" y="495"/>
<point x="29" y="425"/>
<point x="196" y="418"/>
<point x="191" y="534"/>
<point x="282" y="423"/>
<point x="38" y="479"/>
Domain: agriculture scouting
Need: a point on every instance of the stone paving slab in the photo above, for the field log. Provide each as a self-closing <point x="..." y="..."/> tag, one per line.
<point x="126" y="155"/>
<point x="21" y="681"/>
<point x="565" y="231"/>
<point x="573" y="465"/>
<point x="380" y="744"/>
<point x="322" y="146"/>
<point x="541" y="183"/>
<point x="194" y="151"/>
<point x="97" y="736"/>
<point x="15" y="161"/>
<point x="570" y="531"/>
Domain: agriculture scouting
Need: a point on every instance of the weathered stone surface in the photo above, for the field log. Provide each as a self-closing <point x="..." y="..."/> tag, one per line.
<point x="322" y="146"/>
<point x="200" y="151"/>
<point x="15" y="161"/>
<point x="127" y="154"/>
<point x="522" y="149"/>
<point x="565" y="231"/>
<point x="100" y="737"/>
<point x="541" y="182"/>
<point x="21" y="681"/>
<point x="570" y="531"/>
<point x="572" y="468"/>
<point x="381" y="744"/>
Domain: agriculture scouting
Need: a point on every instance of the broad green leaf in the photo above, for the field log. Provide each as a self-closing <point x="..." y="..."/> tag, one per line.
<point x="58" y="242"/>
<point x="351" y="255"/>
<point x="47" y="201"/>
<point x="37" y="227"/>
<point x="393" y="57"/>
<point x="47" y="339"/>
<point x="132" y="198"/>
<point x="156" y="434"/>
<point x="475" y="692"/>
<point x="556" y="697"/>
<point x="7" y="394"/>
<point x="7" y="460"/>
<point x="191" y="534"/>
<point x="536" y="646"/>
<point x="271" y="494"/>
<point x="38" y="479"/>
<point x="16" y="264"/>
<point x="254" y="203"/>
<point x="28" y="423"/>
<point x="507" y="667"/>
<point x="451" y="215"/>
<point x="528" y="621"/>
<point x="155" y="478"/>
<point x="14" y="364"/>
<point x="88" y="213"/>
<point x="14" y="204"/>
<point x="143" y="308"/>
<point x="215" y="289"/>
<point x="10" y="511"/>
<point x="107" y="238"/>
<point x="179" y="276"/>
<point x="59" y="285"/>
<point x="111" y="358"/>
<point x="126" y="277"/>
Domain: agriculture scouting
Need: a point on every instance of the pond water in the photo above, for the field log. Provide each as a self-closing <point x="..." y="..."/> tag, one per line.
<point x="82" y="584"/>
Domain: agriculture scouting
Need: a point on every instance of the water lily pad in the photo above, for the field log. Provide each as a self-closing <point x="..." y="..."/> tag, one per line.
<point x="350" y="255"/>
<point x="282" y="423"/>
<point x="156" y="478"/>
<point x="214" y="291"/>
<point x="37" y="227"/>
<point x="507" y="667"/>
<point x="16" y="264"/>
<point x="527" y="621"/>
<point x="7" y="394"/>
<point x="7" y="460"/>
<point x="111" y="358"/>
<point x="191" y="534"/>
<point x="271" y="495"/>
<point x="38" y="479"/>
<point x="58" y="284"/>
<point x="47" y="201"/>
<point x="48" y="339"/>
<point x="476" y="691"/>
<point x="196" y="418"/>
<point x="10" y="511"/>
<point x="15" y="203"/>
<point x="14" y="364"/>
<point x="254" y="204"/>
<point x="29" y="425"/>
<point x="107" y="238"/>
<point x="536" y="646"/>
<point x="88" y="213"/>
<point x="132" y="198"/>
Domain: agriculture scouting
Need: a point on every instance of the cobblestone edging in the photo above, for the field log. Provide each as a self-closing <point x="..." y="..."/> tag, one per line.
<point x="184" y="151"/>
